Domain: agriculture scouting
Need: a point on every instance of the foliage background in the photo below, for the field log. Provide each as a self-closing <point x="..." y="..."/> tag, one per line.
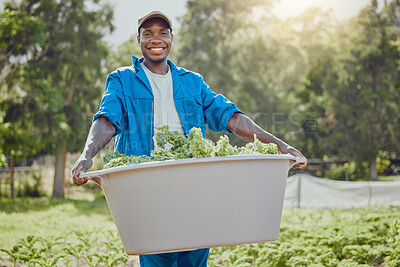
<point x="328" y="88"/>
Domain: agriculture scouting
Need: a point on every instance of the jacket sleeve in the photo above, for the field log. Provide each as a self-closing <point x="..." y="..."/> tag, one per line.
<point x="217" y="109"/>
<point x="112" y="103"/>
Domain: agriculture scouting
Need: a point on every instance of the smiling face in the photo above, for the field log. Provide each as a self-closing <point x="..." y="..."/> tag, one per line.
<point x="155" y="40"/>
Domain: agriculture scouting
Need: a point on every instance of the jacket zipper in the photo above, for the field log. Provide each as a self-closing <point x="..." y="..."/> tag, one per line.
<point x="152" y="125"/>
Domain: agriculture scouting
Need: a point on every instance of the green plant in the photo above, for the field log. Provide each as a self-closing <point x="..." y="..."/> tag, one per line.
<point x="92" y="260"/>
<point x="47" y="262"/>
<point x="354" y="237"/>
<point x="111" y="259"/>
<point x="75" y="250"/>
<point x="35" y="250"/>
<point x="174" y="145"/>
<point x="315" y="238"/>
<point x="112" y="242"/>
<point x="12" y="253"/>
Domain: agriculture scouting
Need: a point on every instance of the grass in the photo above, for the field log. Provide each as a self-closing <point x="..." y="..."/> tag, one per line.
<point x="86" y="216"/>
<point x="389" y="178"/>
<point x="50" y="217"/>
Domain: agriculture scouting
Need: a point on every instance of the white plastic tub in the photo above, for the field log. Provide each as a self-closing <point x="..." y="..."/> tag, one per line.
<point x="196" y="203"/>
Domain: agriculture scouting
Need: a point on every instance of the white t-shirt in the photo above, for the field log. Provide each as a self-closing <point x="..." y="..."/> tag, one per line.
<point x="165" y="112"/>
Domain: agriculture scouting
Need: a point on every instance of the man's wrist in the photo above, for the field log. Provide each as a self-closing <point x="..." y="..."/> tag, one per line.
<point x="282" y="146"/>
<point x="86" y="155"/>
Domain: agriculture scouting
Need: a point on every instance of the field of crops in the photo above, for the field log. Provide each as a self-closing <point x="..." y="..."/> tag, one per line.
<point x="48" y="232"/>
<point x="351" y="237"/>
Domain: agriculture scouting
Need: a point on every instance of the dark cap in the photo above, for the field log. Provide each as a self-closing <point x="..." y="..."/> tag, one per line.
<point x="154" y="14"/>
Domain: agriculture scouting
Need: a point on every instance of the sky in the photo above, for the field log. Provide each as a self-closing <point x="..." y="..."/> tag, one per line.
<point x="342" y="9"/>
<point x="126" y="12"/>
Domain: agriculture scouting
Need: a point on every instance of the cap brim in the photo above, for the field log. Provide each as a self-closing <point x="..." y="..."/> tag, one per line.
<point x="154" y="15"/>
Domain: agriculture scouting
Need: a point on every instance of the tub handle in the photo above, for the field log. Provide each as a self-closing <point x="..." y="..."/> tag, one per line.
<point x="297" y="160"/>
<point x="95" y="178"/>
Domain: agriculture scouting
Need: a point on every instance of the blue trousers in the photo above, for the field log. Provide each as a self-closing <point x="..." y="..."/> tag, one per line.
<point x="192" y="258"/>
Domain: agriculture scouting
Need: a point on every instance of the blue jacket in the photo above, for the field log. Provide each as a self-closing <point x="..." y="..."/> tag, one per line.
<point x="128" y="102"/>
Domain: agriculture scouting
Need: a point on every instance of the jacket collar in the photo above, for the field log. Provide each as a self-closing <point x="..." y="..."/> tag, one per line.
<point x="176" y="73"/>
<point x="140" y="72"/>
<point x="136" y="64"/>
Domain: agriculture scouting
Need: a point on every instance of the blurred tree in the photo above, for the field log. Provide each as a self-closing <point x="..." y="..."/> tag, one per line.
<point x="300" y="48"/>
<point x="20" y="35"/>
<point x="393" y="12"/>
<point x="261" y="63"/>
<point x="366" y="99"/>
<point x="209" y="37"/>
<point x="66" y="77"/>
<point x="247" y="54"/>
<point x="358" y="87"/>
<point x="74" y="67"/>
<point x="315" y="31"/>
<point x="121" y="57"/>
<point x="17" y="142"/>
<point x="316" y="111"/>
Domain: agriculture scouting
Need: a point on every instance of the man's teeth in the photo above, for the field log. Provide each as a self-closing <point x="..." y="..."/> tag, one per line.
<point x="156" y="49"/>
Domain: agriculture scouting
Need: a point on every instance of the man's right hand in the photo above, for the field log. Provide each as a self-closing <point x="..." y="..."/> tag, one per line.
<point x="82" y="165"/>
<point x="101" y="132"/>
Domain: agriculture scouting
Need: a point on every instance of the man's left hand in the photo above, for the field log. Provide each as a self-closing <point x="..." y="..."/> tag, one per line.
<point x="286" y="149"/>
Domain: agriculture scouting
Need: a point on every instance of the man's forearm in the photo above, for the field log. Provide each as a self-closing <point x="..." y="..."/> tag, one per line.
<point x="245" y="128"/>
<point x="100" y="134"/>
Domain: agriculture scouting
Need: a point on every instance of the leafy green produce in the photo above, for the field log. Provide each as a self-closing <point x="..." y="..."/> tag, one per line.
<point x="118" y="159"/>
<point x="173" y="145"/>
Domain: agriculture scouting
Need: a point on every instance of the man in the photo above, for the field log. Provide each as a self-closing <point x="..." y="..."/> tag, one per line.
<point x="154" y="92"/>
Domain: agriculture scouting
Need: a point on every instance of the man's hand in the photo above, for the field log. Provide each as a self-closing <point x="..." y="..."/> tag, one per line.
<point x="100" y="134"/>
<point x="284" y="148"/>
<point x="82" y="165"/>
<point x="245" y="128"/>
